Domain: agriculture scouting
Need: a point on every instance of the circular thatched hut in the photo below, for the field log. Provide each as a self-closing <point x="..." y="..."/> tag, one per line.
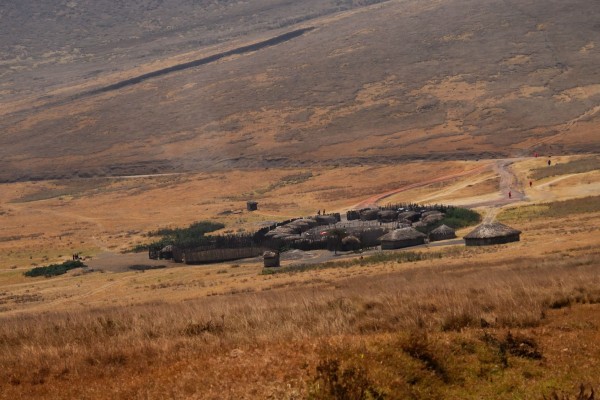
<point x="432" y="218"/>
<point x="442" y="232"/>
<point x="271" y="259"/>
<point x="411" y="216"/>
<point x="351" y="243"/>
<point x="387" y="215"/>
<point x="494" y="233"/>
<point x="369" y="214"/>
<point x="403" y="237"/>
<point x="326" y="219"/>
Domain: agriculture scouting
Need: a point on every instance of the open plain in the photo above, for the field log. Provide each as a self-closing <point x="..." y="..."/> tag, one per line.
<point x="440" y="327"/>
<point x="120" y="118"/>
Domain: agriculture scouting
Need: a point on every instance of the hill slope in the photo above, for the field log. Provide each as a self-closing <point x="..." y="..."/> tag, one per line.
<point x="375" y="83"/>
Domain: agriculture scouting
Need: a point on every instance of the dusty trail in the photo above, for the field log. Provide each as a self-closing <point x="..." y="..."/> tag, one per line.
<point x="378" y="197"/>
<point x="509" y="182"/>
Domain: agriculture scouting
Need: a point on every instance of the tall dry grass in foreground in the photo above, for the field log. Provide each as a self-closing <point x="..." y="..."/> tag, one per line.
<point x="37" y="350"/>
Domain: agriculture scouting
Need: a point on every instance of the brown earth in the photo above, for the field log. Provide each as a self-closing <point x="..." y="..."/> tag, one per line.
<point x="388" y="82"/>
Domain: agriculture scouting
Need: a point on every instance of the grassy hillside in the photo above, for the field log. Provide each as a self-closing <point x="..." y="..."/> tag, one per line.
<point x="391" y="81"/>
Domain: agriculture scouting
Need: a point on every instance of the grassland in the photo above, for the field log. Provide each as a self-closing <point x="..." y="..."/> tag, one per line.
<point x="512" y="321"/>
<point x="559" y="209"/>
<point x="577" y="166"/>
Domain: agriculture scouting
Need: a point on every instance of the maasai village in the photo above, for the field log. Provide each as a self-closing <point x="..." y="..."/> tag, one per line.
<point x="379" y="199"/>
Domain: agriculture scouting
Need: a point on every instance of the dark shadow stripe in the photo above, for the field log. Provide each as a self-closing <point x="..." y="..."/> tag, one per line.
<point x="196" y="63"/>
<point x="165" y="71"/>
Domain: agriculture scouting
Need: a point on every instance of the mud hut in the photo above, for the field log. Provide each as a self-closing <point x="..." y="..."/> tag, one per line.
<point x="442" y="232"/>
<point x="411" y="216"/>
<point x="369" y="236"/>
<point x="403" y="237"/>
<point x="326" y="219"/>
<point x="432" y="218"/>
<point x="387" y="215"/>
<point x="166" y="253"/>
<point x="494" y="233"/>
<point x="271" y="259"/>
<point x="350" y="243"/>
<point x="352" y="215"/>
<point x="251" y="205"/>
<point x="369" y="214"/>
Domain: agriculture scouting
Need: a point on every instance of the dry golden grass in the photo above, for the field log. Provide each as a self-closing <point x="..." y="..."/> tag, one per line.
<point x="46" y="220"/>
<point x="68" y="353"/>
<point x="437" y="328"/>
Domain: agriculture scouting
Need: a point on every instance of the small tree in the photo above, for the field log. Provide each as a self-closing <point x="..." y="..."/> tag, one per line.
<point x="335" y="238"/>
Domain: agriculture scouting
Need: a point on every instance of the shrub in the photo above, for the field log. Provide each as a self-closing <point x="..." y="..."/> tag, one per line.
<point x="55" y="269"/>
<point x="334" y="382"/>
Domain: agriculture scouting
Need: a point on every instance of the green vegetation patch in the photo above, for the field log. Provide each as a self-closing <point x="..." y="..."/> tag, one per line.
<point x="455" y="218"/>
<point x="573" y="167"/>
<point x="397" y="257"/>
<point x="557" y="209"/>
<point x="192" y="236"/>
<point x="54" y="269"/>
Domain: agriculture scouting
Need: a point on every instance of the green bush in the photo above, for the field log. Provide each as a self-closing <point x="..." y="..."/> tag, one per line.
<point x="192" y="236"/>
<point x="54" y="269"/>
<point x="455" y="218"/>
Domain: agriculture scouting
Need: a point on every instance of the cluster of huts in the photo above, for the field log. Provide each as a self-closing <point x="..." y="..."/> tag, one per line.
<point x="389" y="227"/>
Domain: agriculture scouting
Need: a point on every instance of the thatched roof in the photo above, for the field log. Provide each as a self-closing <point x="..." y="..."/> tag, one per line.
<point x="495" y="229"/>
<point x="409" y="215"/>
<point x="402" y="234"/>
<point x="432" y="218"/>
<point x="432" y="212"/>
<point x="443" y="230"/>
<point x="326" y="219"/>
<point x="270" y="254"/>
<point x="388" y="214"/>
<point x="350" y="239"/>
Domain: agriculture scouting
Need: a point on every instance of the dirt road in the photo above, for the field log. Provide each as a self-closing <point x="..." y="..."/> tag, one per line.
<point x="509" y="183"/>
<point x="373" y="200"/>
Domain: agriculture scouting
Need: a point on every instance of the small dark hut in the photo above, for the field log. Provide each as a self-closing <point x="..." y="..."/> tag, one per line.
<point x="411" y="216"/>
<point x="252" y="205"/>
<point x="351" y="243"/>
<point x="403" y="237"/>
<point x="387" y="215"/>
<point x="369" y="214"/>
<point x="494" y="233"/>
<point x="431" y="217"/>
<point x="166" y="253"/>
<point x="326" y="219"/>
<point x="442" y="232"/>
<point x="271" y="259"/>
<point x="369" y="237"/>
<point x="352" y="215"/>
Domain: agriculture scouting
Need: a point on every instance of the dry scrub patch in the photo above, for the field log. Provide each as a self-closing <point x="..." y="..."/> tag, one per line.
<point x="48" y="221"/>
<point x="74" y="353"/>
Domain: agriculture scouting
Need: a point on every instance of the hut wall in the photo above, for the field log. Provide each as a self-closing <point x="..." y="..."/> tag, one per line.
<point x="492" y="241"/>
<point x="369" y="215"/>
<point x="272" y="262"/>
<point x="352" y="215"/>
<point x="177" y="255"/>
<point x="370" y="237"/>
<point x="433" y="237"/>
<point x="153" y="254"/>
<point x="219" y="255"/>
<point x="399" y="244"/>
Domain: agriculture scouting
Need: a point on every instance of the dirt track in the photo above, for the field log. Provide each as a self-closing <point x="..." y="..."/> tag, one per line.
<point x="378" y="197"/>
